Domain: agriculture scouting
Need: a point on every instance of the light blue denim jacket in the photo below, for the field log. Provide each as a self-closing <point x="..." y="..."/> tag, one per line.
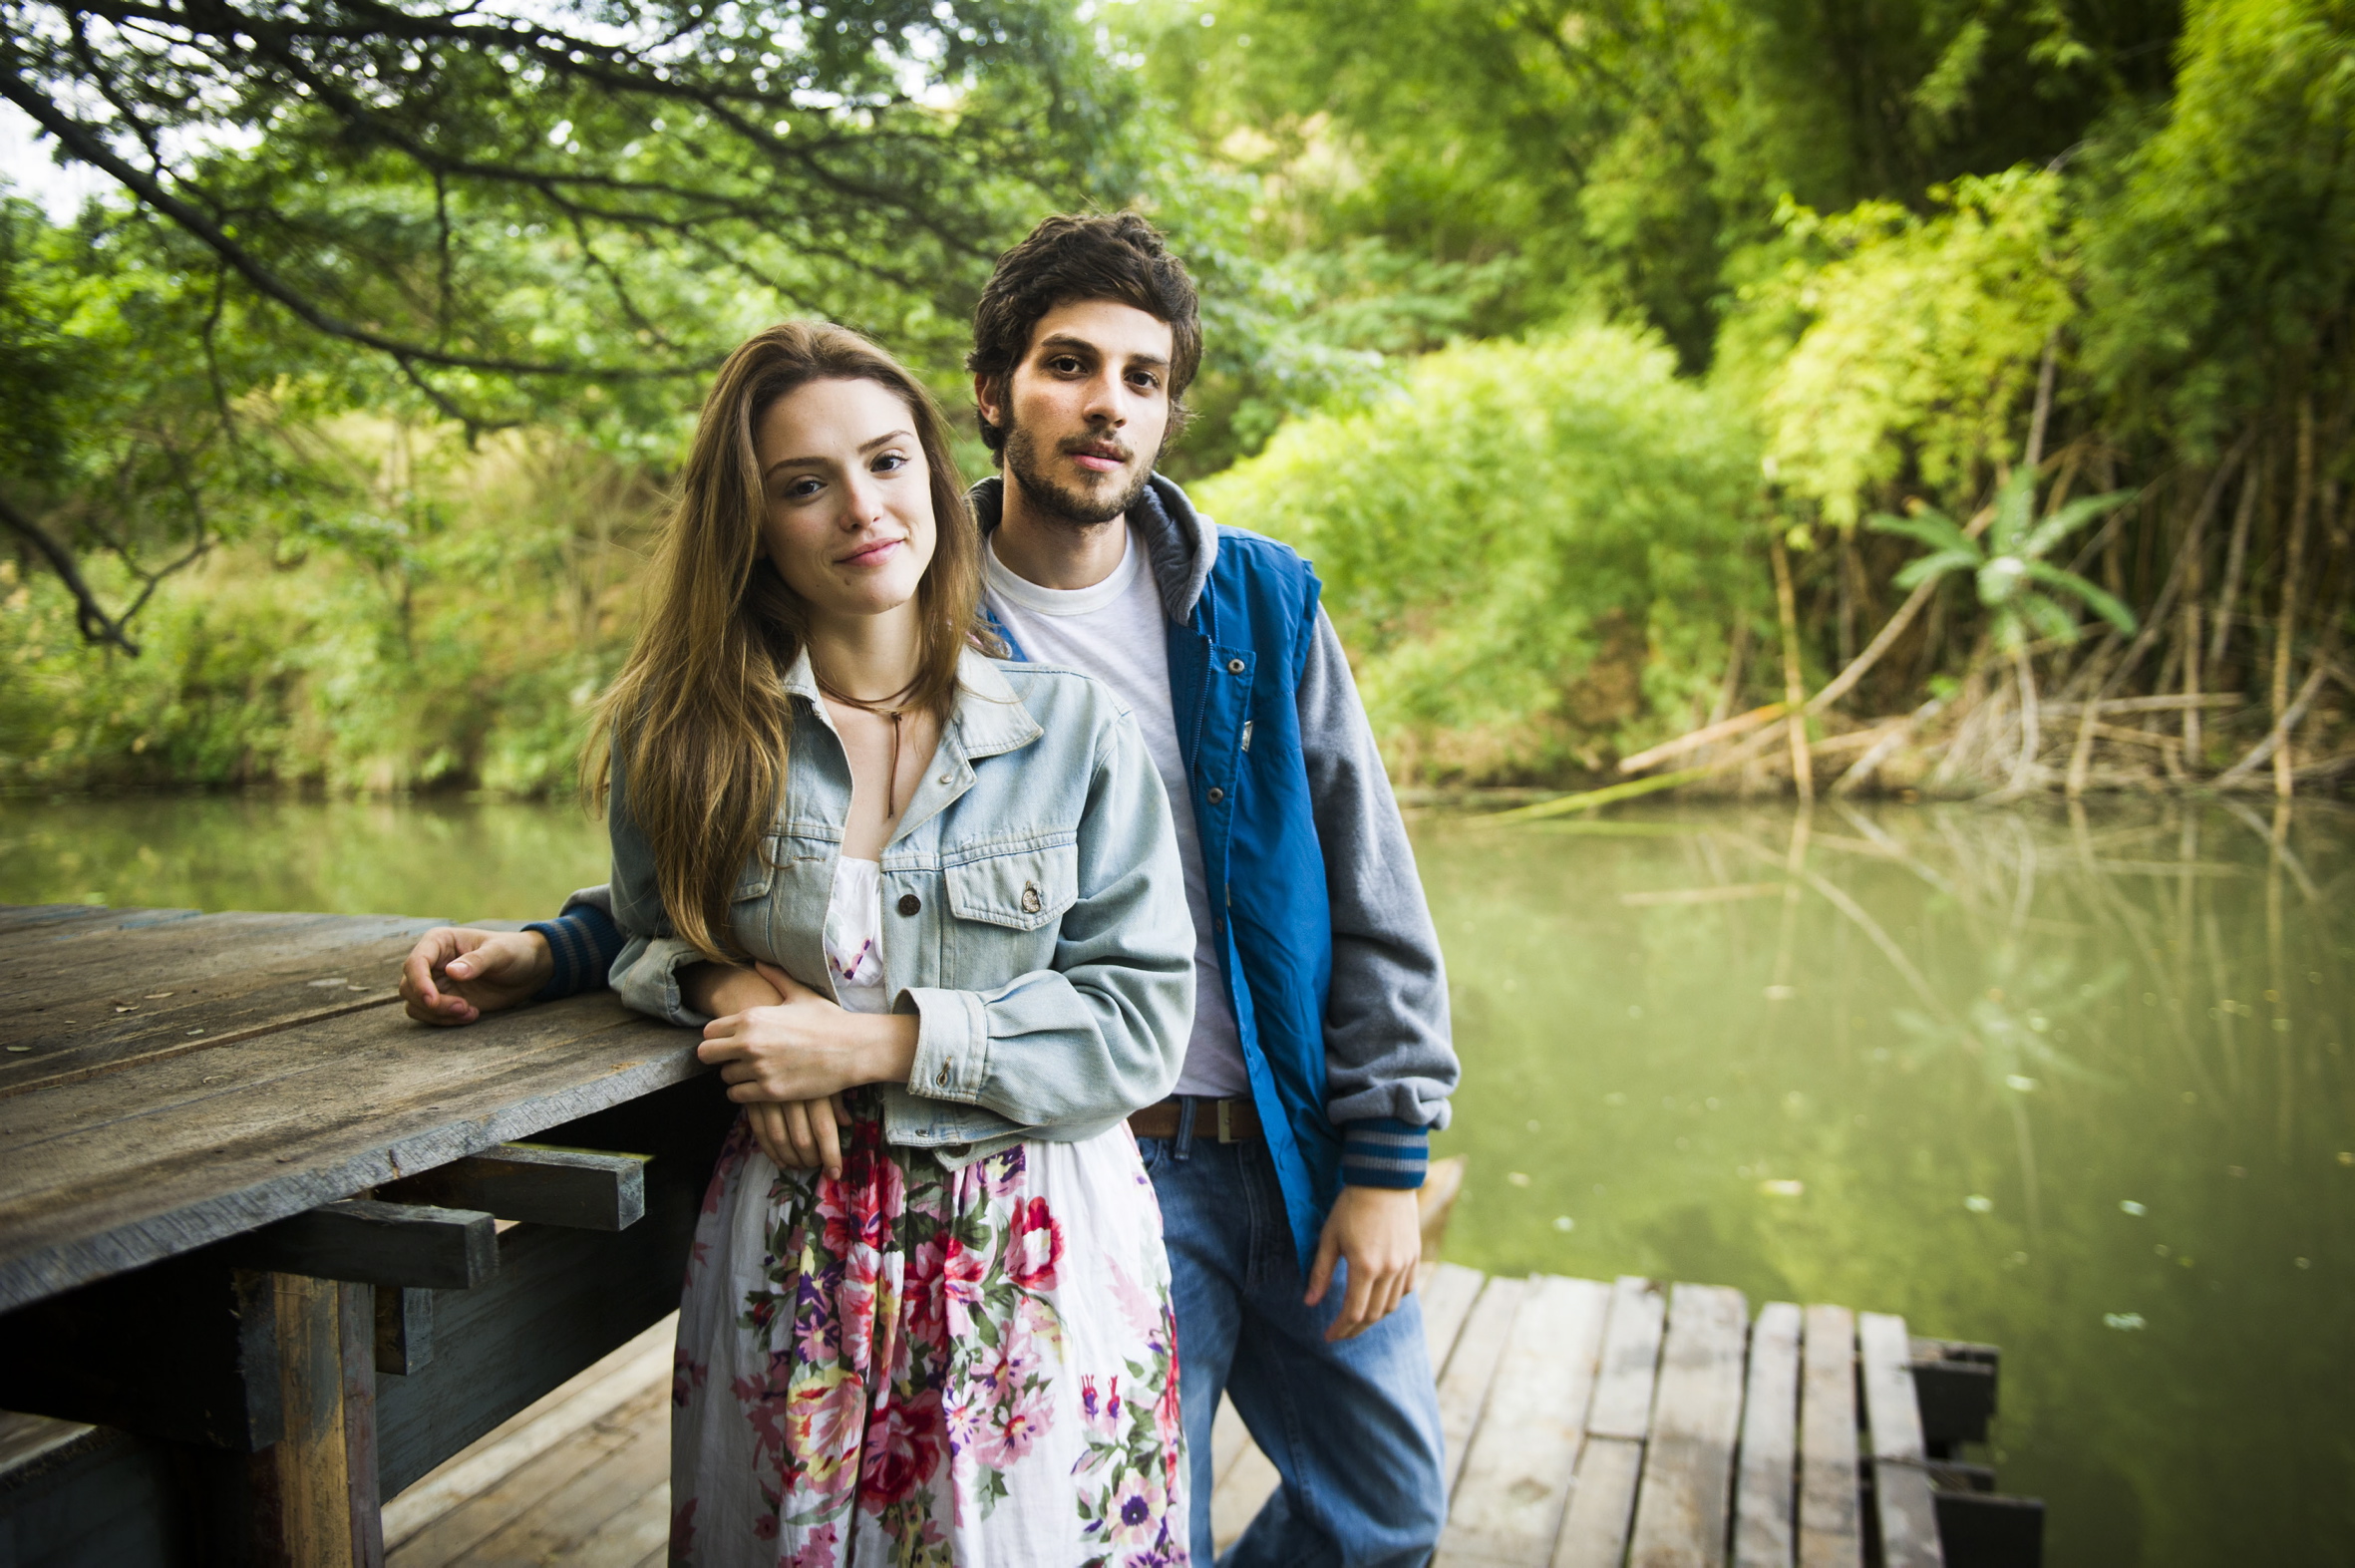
<point x="1033" y="906"/>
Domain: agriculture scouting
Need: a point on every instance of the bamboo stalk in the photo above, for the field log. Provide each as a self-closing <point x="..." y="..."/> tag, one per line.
<point x="2235" y="556"/>
<point x="2279" y="736"/>
<point x="2080" y="755"/>
<point x="2045" y="376"/>
<point x="2287" y="627"/>
<point x="1884" y="748"/>
<point x="2194" y="537"/>
<point x="1803" y="774"/>
<point x="1725" y="730"/>
<point x="2031" y="728"/>
<point x="1735" y="657"/>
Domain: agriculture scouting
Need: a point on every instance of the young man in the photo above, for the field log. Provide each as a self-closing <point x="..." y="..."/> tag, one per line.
<point x="1286" y="1161"/>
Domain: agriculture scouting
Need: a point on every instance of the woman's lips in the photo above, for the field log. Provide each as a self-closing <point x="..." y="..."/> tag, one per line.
<point x="873" y="555"/>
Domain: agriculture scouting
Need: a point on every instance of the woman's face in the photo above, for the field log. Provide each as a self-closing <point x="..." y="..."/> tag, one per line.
<point x="848" y="498"/>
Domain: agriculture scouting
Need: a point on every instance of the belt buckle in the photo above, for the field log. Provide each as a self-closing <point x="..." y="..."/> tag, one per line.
<point x="1225" y="1121"/>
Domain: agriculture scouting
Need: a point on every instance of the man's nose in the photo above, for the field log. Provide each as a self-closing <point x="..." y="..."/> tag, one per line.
<point x="1107" y="399"/>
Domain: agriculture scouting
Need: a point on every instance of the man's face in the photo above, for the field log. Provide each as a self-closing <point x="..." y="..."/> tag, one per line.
<point x="1087" y="409"/>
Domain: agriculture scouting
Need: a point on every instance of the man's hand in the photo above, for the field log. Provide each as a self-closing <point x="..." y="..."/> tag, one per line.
<point x="456" y="974"/>
<point x="798" y="1054"/>
<point x="1379" y="1232"/>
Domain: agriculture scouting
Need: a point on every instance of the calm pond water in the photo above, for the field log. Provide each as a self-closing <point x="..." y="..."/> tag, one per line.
<point x="2078" y="1087"/>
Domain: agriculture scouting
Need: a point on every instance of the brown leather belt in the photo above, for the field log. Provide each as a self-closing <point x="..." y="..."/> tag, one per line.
<point x="1225" y="1120"/>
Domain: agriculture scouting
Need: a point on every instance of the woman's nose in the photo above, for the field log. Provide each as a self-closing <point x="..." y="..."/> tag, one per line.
<point x="865" y="501"/>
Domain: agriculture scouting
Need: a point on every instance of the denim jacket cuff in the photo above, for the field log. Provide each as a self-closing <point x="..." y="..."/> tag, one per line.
<point x="1381" y="1153"/>
<point x="646" y="978"/>
<point x="952" y="1043"/>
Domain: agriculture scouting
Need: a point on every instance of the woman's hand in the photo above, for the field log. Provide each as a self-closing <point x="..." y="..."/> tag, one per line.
<point x="795" y="1134"/>
<point x="805" y="1047"/>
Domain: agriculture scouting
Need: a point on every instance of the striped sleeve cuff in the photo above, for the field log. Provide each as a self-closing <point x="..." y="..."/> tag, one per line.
<point x="1384" y="1153"/>
<point x="582" y="943"/>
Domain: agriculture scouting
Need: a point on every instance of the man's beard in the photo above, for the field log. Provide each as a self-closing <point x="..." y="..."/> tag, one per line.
<point x="1064" y="502"/>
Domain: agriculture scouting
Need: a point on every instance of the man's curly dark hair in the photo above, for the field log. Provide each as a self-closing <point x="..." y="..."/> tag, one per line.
<point x="1068" y="258"/>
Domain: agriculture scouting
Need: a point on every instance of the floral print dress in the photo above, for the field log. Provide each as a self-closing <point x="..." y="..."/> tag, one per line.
<point x="916" y="1366"/>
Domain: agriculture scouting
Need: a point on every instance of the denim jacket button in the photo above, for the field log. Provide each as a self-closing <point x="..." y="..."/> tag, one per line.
<point x="910" y="903"/>
<point x="942" y="1075"/>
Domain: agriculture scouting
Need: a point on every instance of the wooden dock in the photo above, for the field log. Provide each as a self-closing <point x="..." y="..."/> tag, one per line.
<point x="1588" y="1425"/>
<point x="267" y="1255"/>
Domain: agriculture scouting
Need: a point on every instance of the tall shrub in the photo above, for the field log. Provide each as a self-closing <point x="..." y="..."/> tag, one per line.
<point x="1533" y="550"/>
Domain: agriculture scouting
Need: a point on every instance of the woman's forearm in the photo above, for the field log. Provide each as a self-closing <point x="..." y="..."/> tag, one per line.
<point x="717" y="990"/>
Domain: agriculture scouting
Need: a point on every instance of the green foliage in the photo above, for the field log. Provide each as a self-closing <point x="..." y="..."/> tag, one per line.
<point x="1533" y="550"/>
<point x="1889" y="343"/>
<point x="2015" y="581"/>
<point x="2223" y="246"/>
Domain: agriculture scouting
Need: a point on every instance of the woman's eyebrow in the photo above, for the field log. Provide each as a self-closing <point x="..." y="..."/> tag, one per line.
<point x="866" y="446"/>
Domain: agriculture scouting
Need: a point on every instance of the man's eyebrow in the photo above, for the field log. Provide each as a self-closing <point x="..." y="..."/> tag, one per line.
<point x="1067" y="343"/>
<point x="883" y="440"/>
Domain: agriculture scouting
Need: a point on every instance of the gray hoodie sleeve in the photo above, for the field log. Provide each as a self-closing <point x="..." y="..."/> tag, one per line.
<point x="1390" y="1058"/>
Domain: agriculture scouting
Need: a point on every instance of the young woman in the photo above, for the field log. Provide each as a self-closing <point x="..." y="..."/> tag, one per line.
<point x="929" y="911"/>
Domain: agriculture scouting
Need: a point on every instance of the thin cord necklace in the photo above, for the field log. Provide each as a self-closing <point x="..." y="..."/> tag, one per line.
<point x="892" y="707"/>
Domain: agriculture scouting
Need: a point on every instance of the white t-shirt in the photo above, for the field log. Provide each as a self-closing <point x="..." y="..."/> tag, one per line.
<point x="1115" y="632"/>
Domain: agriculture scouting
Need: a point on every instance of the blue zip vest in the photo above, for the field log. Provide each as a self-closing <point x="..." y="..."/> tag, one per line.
<point x="1235" y="670"/>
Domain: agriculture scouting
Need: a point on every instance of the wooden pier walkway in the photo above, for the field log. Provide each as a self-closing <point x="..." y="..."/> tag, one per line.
<point x="270" y="1255"/>
<point x="1586" y="1425"/>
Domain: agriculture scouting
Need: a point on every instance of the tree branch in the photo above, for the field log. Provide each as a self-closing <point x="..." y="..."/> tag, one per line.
<point x="96" y="625"/>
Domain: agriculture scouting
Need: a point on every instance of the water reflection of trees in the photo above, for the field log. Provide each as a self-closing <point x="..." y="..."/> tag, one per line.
<point x="2021" y="948"/>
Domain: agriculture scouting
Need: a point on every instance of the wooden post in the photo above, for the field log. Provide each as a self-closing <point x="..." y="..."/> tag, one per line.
<point x="1794" y="683"/>
<point x="314" y="1494"/>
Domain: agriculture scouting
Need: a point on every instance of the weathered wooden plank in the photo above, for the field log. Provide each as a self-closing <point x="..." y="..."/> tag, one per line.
<point x="1688" y="1473"/>
<point x="626" y="1538"/>
<point x="103" y="1499"/>
<point x="1228" y="1436"/>
<point x="1630" y="1358"/>
<point x="369" y="1242"/>
<point x="404" y="1330"/>
<point x="1954" y="1386"/>
<point x="94" y="961"/>
<point x="148" y="997"/>
<point x="1900" y="1483"/>
<point x="1448" y="1291"/>
<point x="1763" y="1502"/>
<point x="548" y="1186"/>
<point x="1602" y="1502"/>
<point x="202" y="1373"/>
<point x="592" y="1398"/>
<point x="1603" y="1495"/>
<point x="497" y="1502"/>
<point x="556" y="1523"/>
<point x="1508" y="1505"/>
<point x="98" y="1176"/>
<point x="562" y="1298"/>
<point x="1830" y="1533"/>
<point x="1464" y="1388"/>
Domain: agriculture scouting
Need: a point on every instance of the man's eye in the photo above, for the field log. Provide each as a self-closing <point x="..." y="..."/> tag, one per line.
<point x="1145" y="380"/>
<point x="1064" y="365"/>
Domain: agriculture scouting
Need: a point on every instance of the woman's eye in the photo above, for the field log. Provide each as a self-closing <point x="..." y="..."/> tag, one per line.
<point x="891" y="463"/>
<point x="801" y="489"/>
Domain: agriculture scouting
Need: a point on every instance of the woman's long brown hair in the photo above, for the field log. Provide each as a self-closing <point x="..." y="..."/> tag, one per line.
<point x="700" y="713"/>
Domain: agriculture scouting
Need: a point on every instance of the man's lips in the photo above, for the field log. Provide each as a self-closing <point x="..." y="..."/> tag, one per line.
<point x="1100" y="459"/>
<point x="873" y="554"/>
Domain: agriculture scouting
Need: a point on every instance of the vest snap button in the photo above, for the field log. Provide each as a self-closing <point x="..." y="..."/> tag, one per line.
<point x="910" y="903"/>
<point x="1235" y="666"/>
<point x="1216" y="795"/>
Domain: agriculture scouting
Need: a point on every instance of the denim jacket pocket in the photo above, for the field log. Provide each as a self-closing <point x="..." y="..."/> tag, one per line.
<point x="1022" y="889"/>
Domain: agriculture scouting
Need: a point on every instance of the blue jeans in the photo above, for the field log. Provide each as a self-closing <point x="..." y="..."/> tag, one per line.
<point x="1352" y="1428"/>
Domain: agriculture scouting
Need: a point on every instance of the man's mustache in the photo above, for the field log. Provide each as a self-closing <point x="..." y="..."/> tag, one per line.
<point x="1097" y="446"/>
